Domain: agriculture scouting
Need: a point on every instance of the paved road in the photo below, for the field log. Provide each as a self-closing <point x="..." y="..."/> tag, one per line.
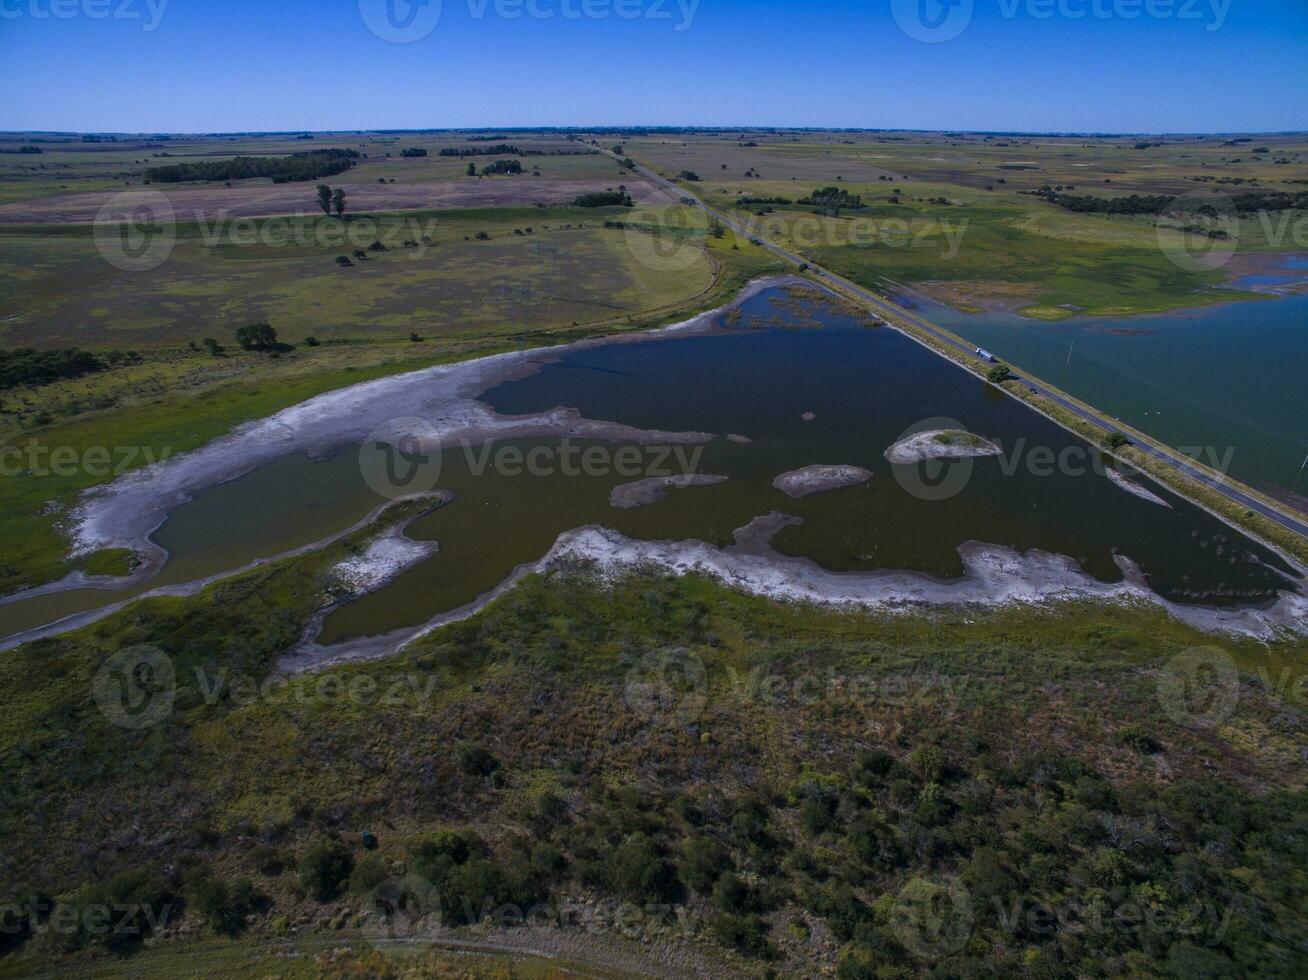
<point x="892" y="311"/>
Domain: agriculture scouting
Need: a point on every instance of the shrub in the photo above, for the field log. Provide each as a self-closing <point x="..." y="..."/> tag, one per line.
<point x="746" y="933"/>
<point x="32" y="367"/>
<point x="702" y="861"/>
<point x="476" y="761"/>
<point x="225" y="907"/>
<point x="138" y="903"/>
<point x="546" y="858"/>
<point x="639" y="874"/>
<point x="436" y="858"/>
<point x="369" y="872"/>
<point x="325" y="869"/>
<point x="731" y="894"/>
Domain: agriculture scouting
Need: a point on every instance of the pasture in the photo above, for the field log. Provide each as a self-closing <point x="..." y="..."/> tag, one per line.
<point x="954" y="214"/>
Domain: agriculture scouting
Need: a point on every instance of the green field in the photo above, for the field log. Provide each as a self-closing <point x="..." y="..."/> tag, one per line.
<point x="568" y="270"/>
<point x="178" y="396"/>
<point x="963" y="225"/>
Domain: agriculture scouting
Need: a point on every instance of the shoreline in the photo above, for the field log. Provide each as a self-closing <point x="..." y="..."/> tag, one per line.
<point x="1246" y="264"/>
<point x="128" y="511"/>
<point x="994" y="577"/>
<point x="135" y="505"/>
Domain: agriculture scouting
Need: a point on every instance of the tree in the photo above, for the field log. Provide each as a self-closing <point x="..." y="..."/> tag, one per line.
<point x="1116" y="441"/>
<point x="472" y="170"/>
<point x="338" y="202"/>
<point x="257" y="336"/>
<point x="325" y="199"/>
<point x="999" y="374"/>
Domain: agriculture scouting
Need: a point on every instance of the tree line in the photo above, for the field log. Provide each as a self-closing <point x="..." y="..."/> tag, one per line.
<point x="310" y="165"/>
<point x="1156" y="204"/>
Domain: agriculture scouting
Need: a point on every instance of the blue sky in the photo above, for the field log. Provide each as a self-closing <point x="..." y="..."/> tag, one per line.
<point x="1040" y="65"/>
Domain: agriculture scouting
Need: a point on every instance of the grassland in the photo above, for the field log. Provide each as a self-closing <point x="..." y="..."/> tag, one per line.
<point x="478" y="297"/>
<point x="954" y="213"/>
<point x="782" y="799"/>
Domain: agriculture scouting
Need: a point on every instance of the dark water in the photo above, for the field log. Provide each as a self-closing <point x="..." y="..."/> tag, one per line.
<point x="1227" y="379"/>
<point x="758" y="377"/>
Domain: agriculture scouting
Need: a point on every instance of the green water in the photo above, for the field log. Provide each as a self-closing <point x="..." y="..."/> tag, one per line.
<point x="1227" y="384"/>
<point x="758" y="377"/>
